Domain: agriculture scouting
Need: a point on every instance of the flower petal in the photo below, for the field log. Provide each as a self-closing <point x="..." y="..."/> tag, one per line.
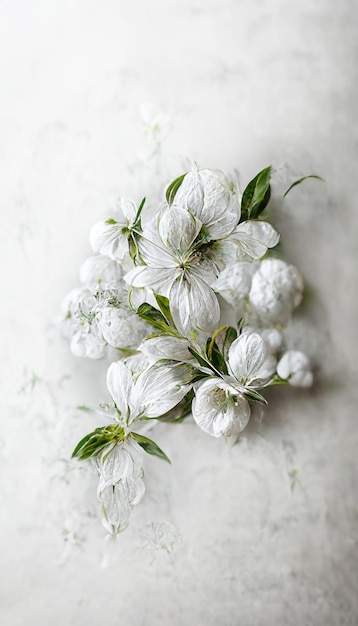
<point x="158" y="279"/>
<point x="248" y="360"/>
<point x="218" y="409"/>
<point x="178" y="228"/>
<point x="121" y="387"/>
<point x="108" y="239"/>
<point x="254" y="237"/>
<point x="194" y="306"/>
<point x="161" y="387"/>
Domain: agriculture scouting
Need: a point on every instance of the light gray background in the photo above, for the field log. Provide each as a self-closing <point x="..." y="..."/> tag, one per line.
<point x="269" y="527"/>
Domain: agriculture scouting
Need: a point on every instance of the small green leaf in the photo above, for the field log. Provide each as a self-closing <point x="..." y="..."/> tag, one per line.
<point x="97" y="440"/>
<point x="218" y="360"/>
<point x="256" y="195"/>
<point x="110" y="220"/>
<point x="252" y="394"/>
<point x="155" y="318"/>
<point x="300" y="180"/>
<point x="173" y="188"/>
<point x="150" y="446"/>
<point x="200" y="359"/>
<point x="230" y="336"/>
<point x="163" y="304"/>
<point x="137" y="220"/>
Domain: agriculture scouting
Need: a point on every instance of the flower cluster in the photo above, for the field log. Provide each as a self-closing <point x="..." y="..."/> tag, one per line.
<point x="155" y="292"/>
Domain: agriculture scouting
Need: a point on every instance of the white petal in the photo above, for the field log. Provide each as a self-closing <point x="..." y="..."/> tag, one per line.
<point x="178" y="228"/>
<point x="166" y="348"/>
<point x="248" y="360"/>
<point x="121" y="387"/>
<point x="254" y="237"/>
<point x="115" y="509"/>
<point x="218" y="409"/>
<point x="276" y="289"/>
<point x="101" y="272"/>
<point x="86" y="344"/>
<point x="294" y="366"/>
<point x="207" y="194"/>
<point x="108" y="239"/>
<point x="194" y="306"/>
<point x="122" y="328"/>
<point x="161" y="387"/>
<point x="190" y="194"/>
<point x="158" y="279"/>
<point x="128" y="209"/>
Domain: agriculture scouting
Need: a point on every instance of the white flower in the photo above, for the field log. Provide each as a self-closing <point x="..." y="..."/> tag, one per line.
<point x="87" y="342"/>
<point x="249" y="363"/>
<point x="121" y="327"/>
<point x="121" y="484"/>
<point x="99" y="272"/>
<point x="219" y="409"/>
<point x="81" y="324"/>
<point x="294" y="366"/>
<point x="175" y="269"/>
<point x="219" y="406"/>
<point x="210" y="196"/>
<point x="276" y="289"/>
<point x="234" y="284"/>
<point x="152" y="393"/>
<point x="110" y="237"/>
<point x="70" y="306"/>
<point x="157" y="123"/>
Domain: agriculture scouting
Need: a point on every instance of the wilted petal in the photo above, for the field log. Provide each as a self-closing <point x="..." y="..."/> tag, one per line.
<point x="248" y="360"/>
<point x="218" y="409"/>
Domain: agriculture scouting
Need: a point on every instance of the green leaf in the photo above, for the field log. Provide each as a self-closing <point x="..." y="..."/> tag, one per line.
<point x="218" y="360"/>
<point x="137" y="220"/>
<point x="150" y="446"/>
<point x="163" y="304"/>
<point x="256" y="195"/>
<point x="110" y="220"/>
<point x="300" y="180"/>
<point x="173" y="188"/>
<point x="155" y="318"/>
<point x="252" y="394"/>
<point x="230" y="336"/>
<point x="97" y="440"/>
<point x="200" y="359"/>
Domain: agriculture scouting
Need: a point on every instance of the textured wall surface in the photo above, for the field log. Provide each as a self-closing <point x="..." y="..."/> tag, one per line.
<point x="264" y="532"/>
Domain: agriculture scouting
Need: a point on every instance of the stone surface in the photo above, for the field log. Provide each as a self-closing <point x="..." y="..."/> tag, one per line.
<point x="261" y="533"/>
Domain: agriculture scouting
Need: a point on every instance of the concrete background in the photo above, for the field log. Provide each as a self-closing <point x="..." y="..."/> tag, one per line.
<point x="267" y="528"/>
